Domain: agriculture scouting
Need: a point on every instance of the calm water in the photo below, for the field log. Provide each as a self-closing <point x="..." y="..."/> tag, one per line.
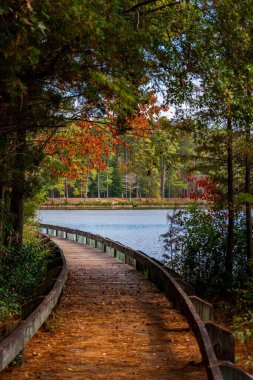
<point x="138" y="229"/>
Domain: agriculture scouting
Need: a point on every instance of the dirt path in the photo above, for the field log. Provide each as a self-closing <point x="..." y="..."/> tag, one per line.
<point x="111" y="324"/>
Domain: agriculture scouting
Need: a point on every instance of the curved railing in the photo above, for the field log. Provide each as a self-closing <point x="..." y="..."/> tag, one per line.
<point x="36" y="311"/>
<point x="216" y="344"/>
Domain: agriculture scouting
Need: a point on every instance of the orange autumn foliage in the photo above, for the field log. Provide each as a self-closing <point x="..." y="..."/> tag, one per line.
<point x="79" y="148"/>
<point x="87" y="145"/>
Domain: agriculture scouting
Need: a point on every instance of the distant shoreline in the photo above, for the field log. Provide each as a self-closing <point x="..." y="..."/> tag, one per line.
<point x="117" y="203"/>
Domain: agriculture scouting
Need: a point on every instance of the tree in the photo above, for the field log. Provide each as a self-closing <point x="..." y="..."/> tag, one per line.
<point x="70" y="61"/>
<point x="211" y="75"/>
<point x="130" y="183"/>
<point x="230" y="25"/>
<point x="116" y="188"/>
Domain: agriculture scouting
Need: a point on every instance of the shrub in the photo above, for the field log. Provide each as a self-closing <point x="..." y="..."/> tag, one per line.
<point x="23" y="268"/>
<point x="195" y="246"/>
<point x="243" y="331"/>
<point x="9" y="306"/>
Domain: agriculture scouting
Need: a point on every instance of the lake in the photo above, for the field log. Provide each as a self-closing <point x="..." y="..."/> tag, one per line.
<point x="138" y="229"/>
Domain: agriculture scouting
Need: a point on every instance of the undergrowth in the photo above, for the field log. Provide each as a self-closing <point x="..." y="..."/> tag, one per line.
<point x="195" y="247"/>
<point x="23" y="268"/>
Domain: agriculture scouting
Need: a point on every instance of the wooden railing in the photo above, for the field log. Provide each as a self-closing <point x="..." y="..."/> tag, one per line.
<point x="216" y="344"/>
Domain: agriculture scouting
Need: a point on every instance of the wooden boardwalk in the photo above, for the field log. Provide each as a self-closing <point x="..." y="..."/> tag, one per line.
<point x="111" y="324"/>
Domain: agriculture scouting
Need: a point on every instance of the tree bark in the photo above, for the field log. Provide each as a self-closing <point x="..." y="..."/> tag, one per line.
<point x="247" y="204"/>
<point x="18" y="190"/>
<point x="66" y="190"/>
<point x="230" y="201"/>
<point x="98" y="185"/>
<point x="107" y="185"/>
<point x="163" y="178"/>
<point x="2" y="192"/>
<point x="126" y="187"/>
<point x="138" y="188"/>
<point x="87" y="186"/>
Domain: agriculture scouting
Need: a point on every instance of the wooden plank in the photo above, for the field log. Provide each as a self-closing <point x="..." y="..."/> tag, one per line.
<point x="114" y="324"/>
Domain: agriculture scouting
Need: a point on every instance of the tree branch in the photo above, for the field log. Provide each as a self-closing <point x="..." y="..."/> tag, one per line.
<point x="136" y="6"/>
<point x="161" y="7"/>
<point x="147" y="2"/>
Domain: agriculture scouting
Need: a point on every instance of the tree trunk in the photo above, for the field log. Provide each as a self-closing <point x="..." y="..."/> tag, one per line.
<point x="230" y="202"/>
<point x="138" y="188"/>
<point x="18" y="191"/>
<point x="163" y="177"/>
<point x="107" y="185"/>
<point x="5" y="164"/>
<point x="87" y="186"/>
<point x="2" y="203"/>
<point x="126" y="187"/>
<point x="247" y="204"/>
<point x="66" y="190"/>
<point x="169" y="191"/>
<point x="126" y="156"/>
<point x="17" y="210"/>
<point x="98" y="185"/>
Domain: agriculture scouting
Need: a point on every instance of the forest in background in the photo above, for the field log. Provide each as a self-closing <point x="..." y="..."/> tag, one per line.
<point x="157" y="166"/>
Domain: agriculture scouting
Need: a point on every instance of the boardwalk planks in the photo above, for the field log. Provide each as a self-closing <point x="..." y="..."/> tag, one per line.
<point x="112" y="324"/>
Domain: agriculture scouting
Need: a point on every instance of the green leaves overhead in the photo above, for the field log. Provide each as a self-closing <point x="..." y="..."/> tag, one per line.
<point x="88" y="52"/>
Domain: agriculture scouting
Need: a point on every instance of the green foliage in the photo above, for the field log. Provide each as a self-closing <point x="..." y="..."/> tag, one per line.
<point x="116" y="188"/>
<point x="196" y="244"/>
<point x="5" y="225"/>
<point x="63" y="61"/>
<point x="93" y="51"/>
<point x="245" y="197"/>
<point x="23" y="268"/>
<point x="242" y="299"/>
<point x="32" y="204"/>
<point x="144" y="157"/>
<point x="243" y="331"/>
<point x="9" y="305"/>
